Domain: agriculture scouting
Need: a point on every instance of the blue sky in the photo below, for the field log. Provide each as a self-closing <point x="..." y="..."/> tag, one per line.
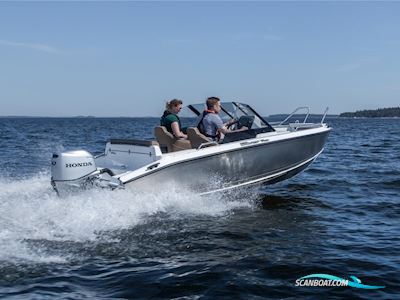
<point x="128" y="58"/>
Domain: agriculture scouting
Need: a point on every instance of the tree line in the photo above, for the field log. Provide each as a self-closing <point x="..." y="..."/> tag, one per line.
<point x="375" y="113"/>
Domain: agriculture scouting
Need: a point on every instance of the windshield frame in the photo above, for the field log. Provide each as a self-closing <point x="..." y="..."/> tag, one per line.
<point x="232" y="110"/>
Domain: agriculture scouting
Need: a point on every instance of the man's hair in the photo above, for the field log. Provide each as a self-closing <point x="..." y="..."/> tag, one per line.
<point x="174" y="102"/>
<point x="211" y="101"/>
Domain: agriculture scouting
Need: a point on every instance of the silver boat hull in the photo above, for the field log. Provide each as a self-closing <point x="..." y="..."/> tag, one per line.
<point x="264" y="162"/>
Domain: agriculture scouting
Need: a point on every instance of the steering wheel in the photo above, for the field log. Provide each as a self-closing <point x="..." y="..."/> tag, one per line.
<point x="233" y="125"/>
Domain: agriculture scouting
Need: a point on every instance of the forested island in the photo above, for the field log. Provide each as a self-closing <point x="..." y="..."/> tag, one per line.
<point x="375" y="113"/>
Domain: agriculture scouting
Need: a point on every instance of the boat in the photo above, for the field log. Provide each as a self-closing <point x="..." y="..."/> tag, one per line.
<point x="261" y="152"/>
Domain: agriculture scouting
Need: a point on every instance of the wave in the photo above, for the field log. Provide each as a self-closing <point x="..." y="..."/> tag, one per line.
<point x="31" y="211"/>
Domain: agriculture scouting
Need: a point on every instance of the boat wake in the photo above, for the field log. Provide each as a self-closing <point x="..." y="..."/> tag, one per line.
<point x="31" y="215"/>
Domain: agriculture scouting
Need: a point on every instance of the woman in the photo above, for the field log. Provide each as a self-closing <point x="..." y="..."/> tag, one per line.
<point x="171" y="120"/>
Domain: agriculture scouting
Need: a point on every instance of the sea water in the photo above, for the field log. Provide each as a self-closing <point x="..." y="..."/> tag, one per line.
<point x="339" y="217"/>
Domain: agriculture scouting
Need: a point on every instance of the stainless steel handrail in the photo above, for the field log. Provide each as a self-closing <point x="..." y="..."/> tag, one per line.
<point x="326" y="111"/>
<point x="297" y="109"/>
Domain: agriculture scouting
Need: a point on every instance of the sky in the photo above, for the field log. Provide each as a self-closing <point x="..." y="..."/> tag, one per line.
<point x="127" y="58"/>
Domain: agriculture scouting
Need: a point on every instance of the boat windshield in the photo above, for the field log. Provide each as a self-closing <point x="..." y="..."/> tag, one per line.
<point x="243" y="113"/>
<point x="230" y="110"/>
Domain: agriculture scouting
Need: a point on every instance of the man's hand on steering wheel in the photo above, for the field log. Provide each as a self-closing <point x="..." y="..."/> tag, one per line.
<point x="229" y="125"/>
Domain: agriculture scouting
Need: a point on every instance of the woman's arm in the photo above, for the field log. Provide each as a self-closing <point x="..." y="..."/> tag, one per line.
<point x="176" y="131"/>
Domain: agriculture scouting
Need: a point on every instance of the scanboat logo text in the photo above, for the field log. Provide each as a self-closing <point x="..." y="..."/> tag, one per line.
<point x="329" y="280"/>
<point x="75" y="165"/>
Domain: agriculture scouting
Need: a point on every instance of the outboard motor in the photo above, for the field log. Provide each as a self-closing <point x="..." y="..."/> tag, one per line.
<point x="76" y="170"/>
<point x="72" y="165"/>
<point x="71" y="170"/>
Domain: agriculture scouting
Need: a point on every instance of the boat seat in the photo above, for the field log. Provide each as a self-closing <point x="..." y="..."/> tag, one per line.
<point x="181" y="144"/>
<point x="166" y="139"/>
<point x="196" y="138"/>
<point x="133" y="142"/>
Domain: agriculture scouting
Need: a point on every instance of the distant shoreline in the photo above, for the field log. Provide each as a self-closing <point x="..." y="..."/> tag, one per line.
<point x="390" y="112"/>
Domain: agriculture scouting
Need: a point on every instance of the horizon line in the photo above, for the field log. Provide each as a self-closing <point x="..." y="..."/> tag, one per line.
<point x="94" y="117"/>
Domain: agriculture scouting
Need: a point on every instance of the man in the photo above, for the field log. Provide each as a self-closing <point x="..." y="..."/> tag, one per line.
<point x="211" y="125"/>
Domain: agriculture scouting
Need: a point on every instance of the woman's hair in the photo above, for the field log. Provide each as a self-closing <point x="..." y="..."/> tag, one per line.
<point x="174" y="102"/>
<point x="211" y="101"/>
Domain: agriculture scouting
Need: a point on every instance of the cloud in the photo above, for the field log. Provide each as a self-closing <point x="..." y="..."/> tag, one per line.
<point x="33" y="46"/>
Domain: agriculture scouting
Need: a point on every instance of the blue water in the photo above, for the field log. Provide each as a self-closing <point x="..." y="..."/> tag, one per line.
<point x="339" y="217"/>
